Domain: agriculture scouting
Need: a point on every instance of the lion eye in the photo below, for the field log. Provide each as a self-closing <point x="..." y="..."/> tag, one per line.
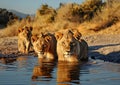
<point x="45" y="46"/>
<point x="63" y="43"/>
<point x="72" y="43"/>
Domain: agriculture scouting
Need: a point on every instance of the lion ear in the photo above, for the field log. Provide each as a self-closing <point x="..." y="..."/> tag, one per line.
<point x="58" y="35"/>
<point x="77" y="35"/>
<point x="48" y="38"/>
<point x="34" y="38"/>
<point x="20" y="30"/>
<point x="41" y="34"/>
<point x="30" y="28"/>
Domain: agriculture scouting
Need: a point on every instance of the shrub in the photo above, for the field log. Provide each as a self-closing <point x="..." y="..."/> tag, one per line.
<point x="108" y="15"/>
<point x="6" y="17"/>
<point x="45" y="14"/>
<point x="78" y="12"/>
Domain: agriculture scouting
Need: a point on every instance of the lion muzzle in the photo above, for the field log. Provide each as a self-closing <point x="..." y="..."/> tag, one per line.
<point x="40" y="52"/>
<point x="68" y="54"/>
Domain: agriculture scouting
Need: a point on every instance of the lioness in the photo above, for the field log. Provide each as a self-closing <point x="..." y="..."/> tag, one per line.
<point x="45" y="46"/>
<point x="24" y="39"/>
<point x="70" y="46"/>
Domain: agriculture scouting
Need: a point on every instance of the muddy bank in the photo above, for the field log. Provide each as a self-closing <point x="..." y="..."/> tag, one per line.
<point x="101" y="46"/>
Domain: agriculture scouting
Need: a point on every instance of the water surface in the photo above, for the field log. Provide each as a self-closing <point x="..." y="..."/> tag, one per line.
<point x="28" y="71"/>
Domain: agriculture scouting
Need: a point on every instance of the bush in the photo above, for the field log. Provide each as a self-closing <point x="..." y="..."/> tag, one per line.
<point x="45" y="14"/>
<point x="108" y="15"/>
<point x="6" y="17"/>
<point x="78" y="12"/>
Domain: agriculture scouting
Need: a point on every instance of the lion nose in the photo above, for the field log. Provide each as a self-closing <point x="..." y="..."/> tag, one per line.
<point x="42" y="48"/>
<point x="68" y="51"/>
<point x="67" y="48"/>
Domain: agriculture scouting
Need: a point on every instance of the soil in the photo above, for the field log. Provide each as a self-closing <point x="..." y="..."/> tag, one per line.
<point x="101" y="46"/>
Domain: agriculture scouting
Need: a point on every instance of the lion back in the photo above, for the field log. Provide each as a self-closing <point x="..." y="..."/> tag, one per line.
<point x="83" y="50"/>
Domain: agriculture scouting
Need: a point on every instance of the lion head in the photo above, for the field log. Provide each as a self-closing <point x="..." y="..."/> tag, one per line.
<point x="44" y="45"/>
<point x="68" y="46"/>
<point x="25" y="32"/>
<point x="24" y="38"/>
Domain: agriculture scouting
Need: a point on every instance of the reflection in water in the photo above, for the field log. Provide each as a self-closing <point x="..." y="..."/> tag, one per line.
<point x="68" y="73"/>
<point x="22" y="61"/>
<point x="16" y="63"/>
<point x="20" y="70"/>
<point x="6" y="60"/>
<point x="43" y="71"/>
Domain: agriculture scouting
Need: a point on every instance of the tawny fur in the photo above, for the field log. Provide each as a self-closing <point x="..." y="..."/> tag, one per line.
<point x="45" y="46"/>
<point x="70" y="46"/>
<point x="24" y="39"/>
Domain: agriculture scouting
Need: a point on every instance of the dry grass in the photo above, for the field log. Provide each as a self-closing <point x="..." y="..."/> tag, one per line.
<point x="114" y="29"/>
<point x="108" y="16"/>
<point x="10" y="30"/>
<point x="68" y="16"/>
<point x="87" y="29"/>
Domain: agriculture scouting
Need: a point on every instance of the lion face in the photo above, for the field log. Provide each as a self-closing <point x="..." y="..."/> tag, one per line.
<point x="67" y="46"/>
<point x="45" y="46"/>
<point x="41" y="44"/>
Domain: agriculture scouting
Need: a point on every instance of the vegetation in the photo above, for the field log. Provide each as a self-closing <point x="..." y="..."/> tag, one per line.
<point x="94" y="15"/>
<point x="6" y="17"/>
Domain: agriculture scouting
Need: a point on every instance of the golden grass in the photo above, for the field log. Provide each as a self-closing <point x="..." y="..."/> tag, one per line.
<point x="108" y="16"/>
<point x="105" y="21"/>
<point x="10" y="30"/>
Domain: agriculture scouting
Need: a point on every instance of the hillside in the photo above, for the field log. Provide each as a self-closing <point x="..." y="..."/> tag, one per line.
<point x="19" y="14"/>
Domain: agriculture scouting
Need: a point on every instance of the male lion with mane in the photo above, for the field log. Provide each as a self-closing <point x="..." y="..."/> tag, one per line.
<point x="24" y="39"/>
<point x="45" y="46"/>
<point x="70" y="46"/>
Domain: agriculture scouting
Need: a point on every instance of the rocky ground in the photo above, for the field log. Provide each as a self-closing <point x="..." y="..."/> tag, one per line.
<point x="101" y="46"/>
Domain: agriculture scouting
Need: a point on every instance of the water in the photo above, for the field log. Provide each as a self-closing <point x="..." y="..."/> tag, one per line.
<point x="28" y="71"/>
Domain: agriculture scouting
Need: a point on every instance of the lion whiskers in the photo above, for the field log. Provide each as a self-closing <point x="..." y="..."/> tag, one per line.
<point x="68" y="53"/>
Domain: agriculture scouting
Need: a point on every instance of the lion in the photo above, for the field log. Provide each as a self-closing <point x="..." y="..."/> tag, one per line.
<point x="44" y="45"/>
<point x="70" y="46"/>
<point x="24" y="39"/>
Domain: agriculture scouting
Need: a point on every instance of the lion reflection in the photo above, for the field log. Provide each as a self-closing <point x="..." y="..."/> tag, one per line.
<point x="5" y="60"/>
<point x="68" y="73"/>
<point x="43" y="71"/>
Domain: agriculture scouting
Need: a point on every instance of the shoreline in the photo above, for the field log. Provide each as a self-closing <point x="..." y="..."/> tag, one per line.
<point x="101" y="46"/>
